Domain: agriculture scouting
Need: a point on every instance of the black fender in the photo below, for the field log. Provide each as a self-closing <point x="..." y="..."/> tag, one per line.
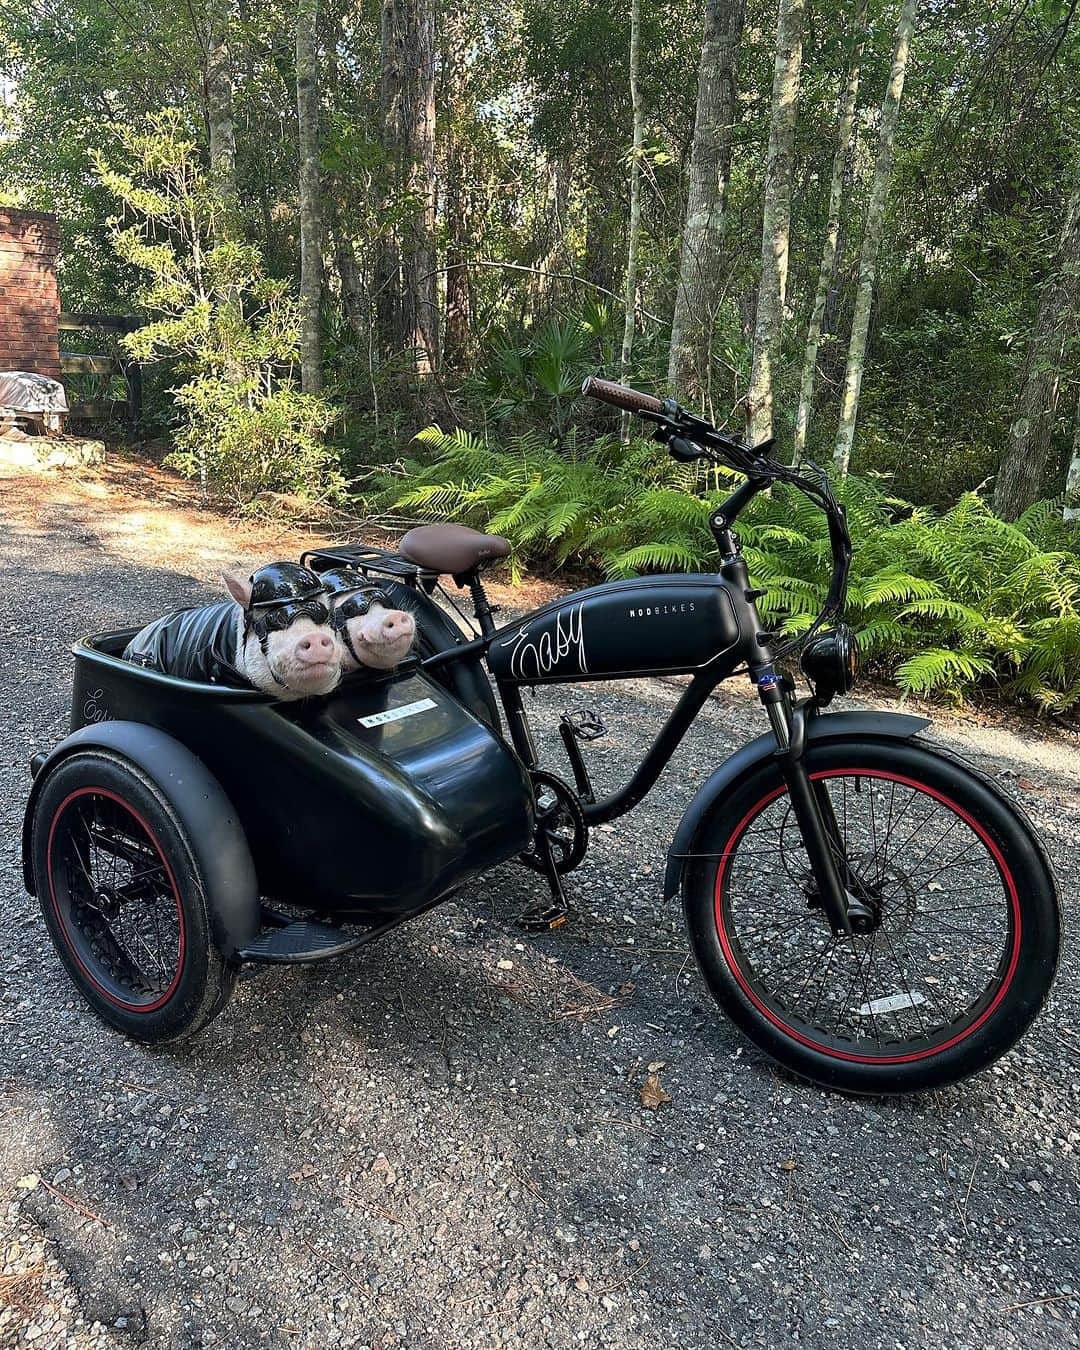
<point x="823" y="727"/>
<point x="466" y="679"/>
<point x="212" y="826"/>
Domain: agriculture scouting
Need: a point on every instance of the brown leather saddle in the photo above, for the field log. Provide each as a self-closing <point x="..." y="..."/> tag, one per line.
<point x="452" y="548"/>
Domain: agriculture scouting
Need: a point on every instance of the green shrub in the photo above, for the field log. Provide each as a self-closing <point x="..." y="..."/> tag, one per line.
<point x="250" y="441"/>
<point x="942" y="602"/>
<point x="230" y="331"/>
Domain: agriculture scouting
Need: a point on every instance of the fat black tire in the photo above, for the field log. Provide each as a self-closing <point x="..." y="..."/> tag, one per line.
<point x="202" y="980"/>
<point x="1018" y="980"/>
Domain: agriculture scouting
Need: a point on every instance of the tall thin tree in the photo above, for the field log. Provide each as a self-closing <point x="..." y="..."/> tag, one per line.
<point x="1023" y="465"/>
<point x="408" y="97"/>
<point x="848" y="102"/>
<point x="776" y="220"/>
<point x="700" y="251"/>
<point x="871" y="243"/>
<point x="457" y="185"/>
<point x="219" y="114"/>
<point x="307" y="112"/>
<point x="1072" y="476"/>
<point x="634" y="227"/>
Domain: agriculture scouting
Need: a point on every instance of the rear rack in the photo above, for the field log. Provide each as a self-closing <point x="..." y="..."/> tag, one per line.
<point x="369" y="558"/>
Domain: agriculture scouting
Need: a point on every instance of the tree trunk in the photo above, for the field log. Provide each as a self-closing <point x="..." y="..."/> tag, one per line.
<point x="353" y="298"/>
<point x="459" y="243"/>
<point x="871" y="244"/>
<point x="408" y="96"/>
<point x="219" y="116"/>
<point x="307" y="113"/>
<point x="634" y="229"/>
<point x="776" y="220"/>
<point x="1072" y="480"/>
<point x="696" y="296"/>
<point x="339" y="240"/>
<point x="1022" y="471"/>
<point x="552" y="230"/>
<point x="388" y="252"/>
<point x="848" y="102"/>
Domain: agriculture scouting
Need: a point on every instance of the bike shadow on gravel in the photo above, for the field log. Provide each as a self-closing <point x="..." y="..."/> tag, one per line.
<point x="331" y="1067"/>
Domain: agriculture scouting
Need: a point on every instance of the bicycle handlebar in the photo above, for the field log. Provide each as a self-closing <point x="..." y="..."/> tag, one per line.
<point x="620" y="395"/>
<point x="682" y="430"/>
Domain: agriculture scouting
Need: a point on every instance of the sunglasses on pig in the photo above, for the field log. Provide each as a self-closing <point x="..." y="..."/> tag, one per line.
<point x="355" y="606"/>
<point x="274" y="616"/>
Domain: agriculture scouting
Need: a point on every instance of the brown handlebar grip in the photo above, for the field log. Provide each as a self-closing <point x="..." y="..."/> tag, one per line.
<point x="620" y="395"/>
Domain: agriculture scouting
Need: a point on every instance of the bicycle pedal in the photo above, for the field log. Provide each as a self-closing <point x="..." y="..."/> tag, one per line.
<point x="543" y="918"/>
<point x="586" y="724"/>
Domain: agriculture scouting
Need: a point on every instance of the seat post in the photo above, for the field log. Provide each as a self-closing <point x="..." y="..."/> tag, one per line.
<point x="482" y="608"/>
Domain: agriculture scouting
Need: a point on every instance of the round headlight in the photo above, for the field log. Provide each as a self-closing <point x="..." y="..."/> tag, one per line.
<point x="830" y="661"/>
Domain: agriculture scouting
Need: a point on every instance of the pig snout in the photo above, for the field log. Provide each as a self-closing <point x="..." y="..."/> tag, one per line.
<point x="396" y="626"/>
<point x="316" y="648"/>
<point x="382" y="637"/>
<point x="386" y="626"/>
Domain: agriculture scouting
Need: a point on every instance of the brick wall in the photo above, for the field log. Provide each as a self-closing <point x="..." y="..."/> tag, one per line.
<point x="29" y="300"/>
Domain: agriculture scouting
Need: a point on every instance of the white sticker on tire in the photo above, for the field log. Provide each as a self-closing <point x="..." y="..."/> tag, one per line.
<point x="891" y="1003"/>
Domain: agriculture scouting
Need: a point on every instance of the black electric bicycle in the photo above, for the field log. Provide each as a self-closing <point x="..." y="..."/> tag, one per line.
<point x="872" y="912"/>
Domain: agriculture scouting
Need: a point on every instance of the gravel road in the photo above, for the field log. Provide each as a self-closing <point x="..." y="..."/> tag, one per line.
<point x="439" y="1141"/>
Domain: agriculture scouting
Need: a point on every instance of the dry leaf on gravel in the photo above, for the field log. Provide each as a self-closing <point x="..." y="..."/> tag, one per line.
<point x="384" y="1168"/>
<point x="788" y="1165"/>
<point x="652" y="1094"/>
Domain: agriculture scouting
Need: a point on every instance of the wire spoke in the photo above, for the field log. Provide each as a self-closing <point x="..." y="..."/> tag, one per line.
<point x="922" y="968"/>
<point x="119" y="900"/>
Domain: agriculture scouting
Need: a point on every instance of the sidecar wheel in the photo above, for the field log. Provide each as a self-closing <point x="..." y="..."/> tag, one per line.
<point x="124" y="901"/>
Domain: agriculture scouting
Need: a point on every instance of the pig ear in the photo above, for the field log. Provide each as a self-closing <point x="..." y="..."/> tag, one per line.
<point x="239" y="588"/>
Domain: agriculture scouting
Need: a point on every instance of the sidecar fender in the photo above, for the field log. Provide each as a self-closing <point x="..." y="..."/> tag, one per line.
<point x="209" y="820"/>
<point x="825" y="727"/>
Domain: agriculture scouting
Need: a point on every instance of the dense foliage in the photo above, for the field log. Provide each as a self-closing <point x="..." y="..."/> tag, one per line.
<point x="941" y="601"/>
<point x="344" y="221"/>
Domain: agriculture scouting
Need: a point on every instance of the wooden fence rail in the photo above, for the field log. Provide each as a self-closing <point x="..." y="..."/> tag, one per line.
<point x="85" y="363"/>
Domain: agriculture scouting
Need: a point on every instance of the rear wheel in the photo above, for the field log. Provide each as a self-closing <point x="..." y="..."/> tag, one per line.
<point x="959" y="954"/>
<point x="123" y="900"/>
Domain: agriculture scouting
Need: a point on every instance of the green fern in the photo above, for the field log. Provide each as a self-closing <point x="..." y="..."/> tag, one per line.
<point x="940" y="668"/>
<point x="941" y="602"/>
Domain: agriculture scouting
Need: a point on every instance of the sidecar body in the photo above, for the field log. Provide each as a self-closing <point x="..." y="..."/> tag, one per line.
<point x="366" y="806"/>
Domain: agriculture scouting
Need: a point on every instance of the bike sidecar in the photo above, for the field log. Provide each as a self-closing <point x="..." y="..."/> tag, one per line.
<point x="365" y="806"/>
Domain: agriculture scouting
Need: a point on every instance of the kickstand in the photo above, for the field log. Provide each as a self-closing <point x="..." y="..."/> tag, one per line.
<point x="541" y="918"/>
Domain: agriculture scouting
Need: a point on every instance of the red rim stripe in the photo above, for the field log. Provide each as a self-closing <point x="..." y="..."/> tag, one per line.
<point x="783" y="1026"/>
<point x="112" y="796"/>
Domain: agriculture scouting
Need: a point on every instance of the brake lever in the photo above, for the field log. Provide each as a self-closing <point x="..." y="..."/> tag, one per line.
<point x="685" y="451"/>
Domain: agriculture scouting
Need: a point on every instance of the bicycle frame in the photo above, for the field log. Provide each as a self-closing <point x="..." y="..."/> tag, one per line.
<point x="587" y="634"/>
<point x="709" y="625"/>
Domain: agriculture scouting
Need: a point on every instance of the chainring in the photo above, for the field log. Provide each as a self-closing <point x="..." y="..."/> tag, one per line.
<point x="559" y="815"/>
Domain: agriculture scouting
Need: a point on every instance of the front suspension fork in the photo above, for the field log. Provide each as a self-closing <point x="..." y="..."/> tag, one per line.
<point x="813" y="810"/>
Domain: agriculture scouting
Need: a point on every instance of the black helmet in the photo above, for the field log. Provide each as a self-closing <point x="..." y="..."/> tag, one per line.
<point x="342" y="580"/>
<point x="355" y="593"/>
<point x="280" y="593"/>
<point x="280" y="582"/>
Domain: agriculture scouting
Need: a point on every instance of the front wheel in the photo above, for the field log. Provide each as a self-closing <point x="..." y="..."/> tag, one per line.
<point x="963" y="943"/>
